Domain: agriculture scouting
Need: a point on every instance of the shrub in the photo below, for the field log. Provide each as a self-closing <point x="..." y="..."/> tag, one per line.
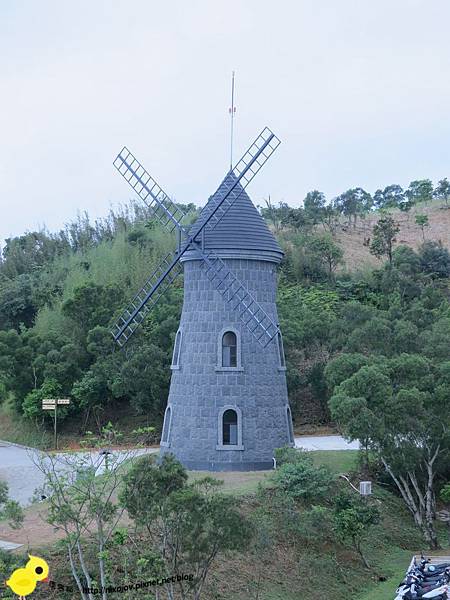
<point x="287" y="454"/>
<point x="301" y="480"/>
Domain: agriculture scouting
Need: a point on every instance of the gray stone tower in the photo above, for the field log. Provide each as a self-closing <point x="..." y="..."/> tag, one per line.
<point x="228" y="407"/>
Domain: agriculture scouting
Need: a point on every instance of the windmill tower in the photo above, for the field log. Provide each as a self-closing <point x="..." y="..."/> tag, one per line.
<point x="228" y="407"/>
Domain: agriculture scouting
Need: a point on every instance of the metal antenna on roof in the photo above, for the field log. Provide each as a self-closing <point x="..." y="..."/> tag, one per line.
<point x="232" y="111"/>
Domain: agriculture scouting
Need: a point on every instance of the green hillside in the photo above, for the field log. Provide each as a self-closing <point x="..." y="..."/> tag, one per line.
<point x="61" y="292"/>
<point x="367" y="345"/>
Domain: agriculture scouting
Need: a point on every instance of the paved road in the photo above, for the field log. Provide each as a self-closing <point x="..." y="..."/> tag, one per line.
<point x="18" y="467"/>
<point x="324" y="442"/>
<point x="18" y="464"/>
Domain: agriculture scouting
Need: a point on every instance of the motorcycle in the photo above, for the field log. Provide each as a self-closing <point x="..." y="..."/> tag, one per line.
<point x="420" y="582"/>
<point x="413" y="592"/>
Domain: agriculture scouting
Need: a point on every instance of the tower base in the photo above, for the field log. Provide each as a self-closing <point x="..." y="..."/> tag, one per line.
<point x="198" y="465"/>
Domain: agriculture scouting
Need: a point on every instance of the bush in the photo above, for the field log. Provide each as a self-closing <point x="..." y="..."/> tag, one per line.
<point x="287" y="454"/>
<point x="302" y="481"/>
<point x="316" y="525"/>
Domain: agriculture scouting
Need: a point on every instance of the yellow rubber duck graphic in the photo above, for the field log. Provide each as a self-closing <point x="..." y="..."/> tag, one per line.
<point x="23" y="581"/>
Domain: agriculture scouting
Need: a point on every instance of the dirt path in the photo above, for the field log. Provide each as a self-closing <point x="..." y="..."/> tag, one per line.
<point x="35" y="531"/>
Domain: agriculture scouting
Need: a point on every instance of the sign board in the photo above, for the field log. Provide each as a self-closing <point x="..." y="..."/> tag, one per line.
<point x="443" y="515"/>
<point x="52" y="402"/>
<point x="48" y="407"/>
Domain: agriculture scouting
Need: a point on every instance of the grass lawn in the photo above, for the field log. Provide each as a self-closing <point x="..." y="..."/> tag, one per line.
<point x="396" y="562"/>
<point x="338" y="461"/>
<point x="236" y="482"/>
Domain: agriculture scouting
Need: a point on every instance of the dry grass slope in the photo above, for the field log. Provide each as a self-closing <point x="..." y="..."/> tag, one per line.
<point x="356" y="253"/>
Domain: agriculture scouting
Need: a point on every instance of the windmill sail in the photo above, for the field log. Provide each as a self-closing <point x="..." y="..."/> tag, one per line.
<point x="166" y="211"/>
<point x="171" y="216"/>
<point x="155" y="287"/>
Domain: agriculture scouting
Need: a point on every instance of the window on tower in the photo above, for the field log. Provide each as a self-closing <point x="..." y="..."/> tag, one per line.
<point x="290" y="427"/>
<point x="176" y="351"/>
<point x="230" y="428"/>
<point x="229" y="431"/>
<point x="282" y="361"/>
<point x="229" y="349"/>
<point x="166" y="427"/>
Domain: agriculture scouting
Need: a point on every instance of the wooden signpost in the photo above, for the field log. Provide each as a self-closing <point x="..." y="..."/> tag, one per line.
<point x="52" y="404"/>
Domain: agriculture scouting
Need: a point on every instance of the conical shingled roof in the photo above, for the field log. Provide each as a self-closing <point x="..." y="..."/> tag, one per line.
<point x="240" y="231"/>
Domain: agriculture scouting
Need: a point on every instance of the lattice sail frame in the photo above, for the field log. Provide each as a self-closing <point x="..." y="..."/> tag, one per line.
<point x="254" y="317"/>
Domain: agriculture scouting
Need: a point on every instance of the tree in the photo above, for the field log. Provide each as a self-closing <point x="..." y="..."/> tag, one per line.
<point x="275" y="215"/>
<point x="82" y="495"/>
<point x="442" y="191"/>
<point x="383" y="237"/>
<point x="92" y="305"/>
<point x="353" y="202"/>
<point x="314" y="205"/>
<point x="405" y="206"/>
<point x="10" y="510"/>
<point x="17" y="305"/>
<point x="144" y="380"/>
<point x="420" y="190"/>
<point x="406" y="260"/>
<point x="391" y="197"/>
<point x="404" y="419"/>
<point x="435" y="259"/>
<point x="188" y="525"/>
<point x="32" y="405"/>
<point x="422" y="221"/>
<point x="444" y="495"/>
<point x="353" y="518"/>
<point x="328" y="252"/>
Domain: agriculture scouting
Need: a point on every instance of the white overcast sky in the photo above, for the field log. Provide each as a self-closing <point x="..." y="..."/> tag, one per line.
<point x="358" y="91"/>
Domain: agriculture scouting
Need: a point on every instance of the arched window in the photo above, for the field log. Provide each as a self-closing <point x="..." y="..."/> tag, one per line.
<point x="282" y="361"/>
<point x="230" y="428"/>
<point x="290" y="427"/>
<point x="166" y="427"/>
<point x="229" y="349"/>
<point x="176" y="351"/>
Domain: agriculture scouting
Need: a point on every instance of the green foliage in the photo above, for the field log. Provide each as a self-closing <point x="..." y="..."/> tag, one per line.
<point x="399" y="408"/>
<point x="353" y="519"/>
<point x="60" y="294"/>
<point x="444" y="494"/>
<point x="314" y="205"/>
<point x="442" y="191"/>
<point x="301" y="480"/>
<point x="188" y="525"/>
<point x="10" y="510"/>
<point x="91" y="305"/>
<point x="327" y="251"/>
<point x="420" y="190"/>
<point x="147" y="487"/>
<point x="353" y="202"/>
<point x="422" y="221"/>
<point x="383" y="237"/>
<point x="391" y="197"/>
<point x="290" y="455"/>
<point x="32" y="405"/>
<point x="435" y="259"/>
<point x="315" y="525"/>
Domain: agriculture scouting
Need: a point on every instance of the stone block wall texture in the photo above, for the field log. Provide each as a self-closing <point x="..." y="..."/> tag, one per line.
<point x="199" y="389"/>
